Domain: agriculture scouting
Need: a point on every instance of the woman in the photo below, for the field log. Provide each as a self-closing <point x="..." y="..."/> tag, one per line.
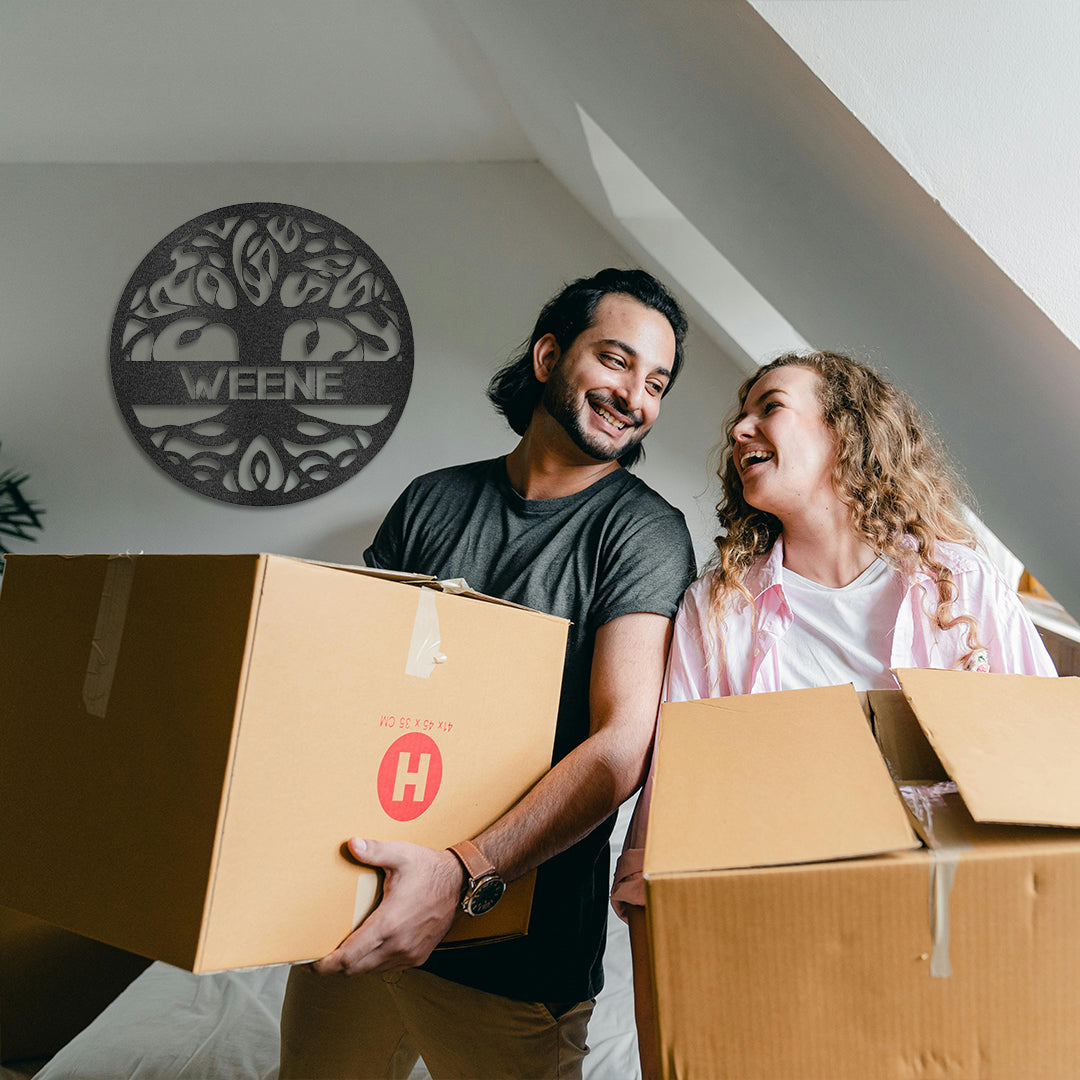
<point x="845" y="555"/>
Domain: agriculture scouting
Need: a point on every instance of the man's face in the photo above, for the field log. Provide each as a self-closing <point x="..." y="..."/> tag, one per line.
<point x="605" y="389"/>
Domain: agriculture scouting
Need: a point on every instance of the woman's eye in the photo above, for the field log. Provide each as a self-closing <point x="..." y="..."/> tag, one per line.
<point x="769" y="406"/>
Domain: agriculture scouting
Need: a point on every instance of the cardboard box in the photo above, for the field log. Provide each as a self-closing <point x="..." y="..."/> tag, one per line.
<point x="799" y="930"/>
<point x="187" y="741"/>
<point x="52" y="984"/>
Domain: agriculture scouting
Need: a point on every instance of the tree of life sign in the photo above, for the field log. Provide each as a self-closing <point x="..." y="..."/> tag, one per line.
<point x="261" y="354"/>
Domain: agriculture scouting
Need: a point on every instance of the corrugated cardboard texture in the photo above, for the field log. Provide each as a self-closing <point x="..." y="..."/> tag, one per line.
<point x="822" y="972"/>
<point x="108" y="822"/>
<point x="1011" y="742"/>
<point x="771" y="778"/>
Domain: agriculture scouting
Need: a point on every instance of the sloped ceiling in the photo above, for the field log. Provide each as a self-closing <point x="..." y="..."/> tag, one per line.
<point x="706" y="100"/>
<point x="753" y="149"/>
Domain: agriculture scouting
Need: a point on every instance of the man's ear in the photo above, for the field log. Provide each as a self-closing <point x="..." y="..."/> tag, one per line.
<point x="545" y="354"/>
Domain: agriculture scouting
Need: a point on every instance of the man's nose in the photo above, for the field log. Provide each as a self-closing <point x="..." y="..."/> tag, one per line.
<point x="630" y="394"/>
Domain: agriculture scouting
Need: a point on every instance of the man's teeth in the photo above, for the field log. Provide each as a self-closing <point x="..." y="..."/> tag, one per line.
<point x="610" y="417"/>
<point x="754" y="456"/>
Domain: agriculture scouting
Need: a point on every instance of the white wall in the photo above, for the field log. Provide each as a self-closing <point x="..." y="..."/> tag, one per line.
<point x="977" y="99"/>
<point x="475" y="249"/>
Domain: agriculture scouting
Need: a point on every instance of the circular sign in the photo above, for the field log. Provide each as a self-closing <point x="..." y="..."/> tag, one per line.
<point x="261" y="354"/>
<point x="409" y="776"/>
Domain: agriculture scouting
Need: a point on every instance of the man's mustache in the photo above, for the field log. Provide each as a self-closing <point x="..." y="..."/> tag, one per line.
<point x="632" y="419"/>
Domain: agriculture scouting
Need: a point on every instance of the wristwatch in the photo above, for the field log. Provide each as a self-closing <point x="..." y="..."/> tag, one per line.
<point x="484" y="887"/>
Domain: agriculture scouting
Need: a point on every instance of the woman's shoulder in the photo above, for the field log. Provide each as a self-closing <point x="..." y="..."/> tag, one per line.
<point x="694" y="606"/>
<point x="961" y="559"/>
<point x="704" y="602"/>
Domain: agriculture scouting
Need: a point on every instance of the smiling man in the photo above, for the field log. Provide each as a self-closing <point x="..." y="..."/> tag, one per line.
<point x="560" y="525"/>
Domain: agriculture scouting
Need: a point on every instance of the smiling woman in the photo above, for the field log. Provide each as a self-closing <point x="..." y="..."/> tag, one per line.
<point x="843" y="555"/>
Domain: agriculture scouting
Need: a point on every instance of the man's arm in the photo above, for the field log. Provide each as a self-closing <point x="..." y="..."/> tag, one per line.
<point x="423" y="887"/>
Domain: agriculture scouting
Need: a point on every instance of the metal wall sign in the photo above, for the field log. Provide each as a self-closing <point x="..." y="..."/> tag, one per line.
<point x="261" y="354"/>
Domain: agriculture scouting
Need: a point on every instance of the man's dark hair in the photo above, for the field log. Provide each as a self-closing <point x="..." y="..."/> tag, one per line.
<point x="515" y="391"/>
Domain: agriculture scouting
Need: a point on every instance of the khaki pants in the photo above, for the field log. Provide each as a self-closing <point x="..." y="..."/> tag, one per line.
<point x="373" y="1027"/>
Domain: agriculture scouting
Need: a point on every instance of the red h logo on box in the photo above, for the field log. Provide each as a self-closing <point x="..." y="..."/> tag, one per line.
<point x="409" y="776"/>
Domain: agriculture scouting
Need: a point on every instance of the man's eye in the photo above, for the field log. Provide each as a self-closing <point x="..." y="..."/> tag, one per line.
<point x="613" y="360"/>
<point x="656" y="389"/>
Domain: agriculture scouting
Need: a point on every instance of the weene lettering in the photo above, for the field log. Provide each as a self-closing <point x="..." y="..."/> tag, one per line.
<point x="288" y="382"/>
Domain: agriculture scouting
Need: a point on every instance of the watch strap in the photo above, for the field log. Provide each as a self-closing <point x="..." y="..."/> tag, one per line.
<point x="476" y="863"/>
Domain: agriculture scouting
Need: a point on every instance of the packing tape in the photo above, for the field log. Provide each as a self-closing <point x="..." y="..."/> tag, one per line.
<point x="368" y="894"/>
<point x="943" y="866"/>
<point x="424" y="647"/>
<point x="455" y="585"/>
<point x="108" y="633"/>
<point x="947" y="843"/>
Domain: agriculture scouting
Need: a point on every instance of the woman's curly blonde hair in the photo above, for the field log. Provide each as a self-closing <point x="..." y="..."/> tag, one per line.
<point x="891" y="472"/>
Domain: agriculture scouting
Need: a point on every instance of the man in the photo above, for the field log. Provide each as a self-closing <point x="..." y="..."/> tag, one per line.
<point x="558" y="525"/>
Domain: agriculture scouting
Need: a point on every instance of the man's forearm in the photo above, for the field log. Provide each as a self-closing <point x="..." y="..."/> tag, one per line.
<point x="595" y="778"/>
<point x="583" y="789"/>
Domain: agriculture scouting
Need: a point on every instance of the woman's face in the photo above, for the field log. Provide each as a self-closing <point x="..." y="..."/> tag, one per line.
<point x="783" y="450"/>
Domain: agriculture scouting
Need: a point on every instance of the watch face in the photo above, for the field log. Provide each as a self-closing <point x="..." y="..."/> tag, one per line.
<point x="485" y="895"/>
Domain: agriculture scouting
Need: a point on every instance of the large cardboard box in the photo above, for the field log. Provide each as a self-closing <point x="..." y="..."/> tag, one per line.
<point x="187" y="741"/>
<point x="800" y="930"/>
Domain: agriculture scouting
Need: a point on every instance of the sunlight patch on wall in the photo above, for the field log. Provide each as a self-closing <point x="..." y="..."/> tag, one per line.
<point x="738" y="309"/>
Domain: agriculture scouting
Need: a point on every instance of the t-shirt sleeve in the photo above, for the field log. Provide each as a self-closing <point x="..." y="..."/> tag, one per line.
<point x="387" y="550"/>
<point x="645" y="567"/>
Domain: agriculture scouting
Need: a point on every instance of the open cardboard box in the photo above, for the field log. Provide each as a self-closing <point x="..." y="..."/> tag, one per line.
<point x="800" y="930"/>
<point x="186" y="741"/>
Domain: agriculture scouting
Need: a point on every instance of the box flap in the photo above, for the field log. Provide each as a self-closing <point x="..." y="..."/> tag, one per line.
<point x="1011" y="742"/>
<point x="457" y="586"/>
<point x="769" y="779"/>
<point x="908" y="754"/>
<point x="405" y="576"/>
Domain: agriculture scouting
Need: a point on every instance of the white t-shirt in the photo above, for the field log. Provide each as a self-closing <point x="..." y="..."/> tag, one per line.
<point x="841" y="635"/>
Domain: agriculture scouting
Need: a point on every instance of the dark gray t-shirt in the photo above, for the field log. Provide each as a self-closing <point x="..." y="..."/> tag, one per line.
<point x="613" y="549"/>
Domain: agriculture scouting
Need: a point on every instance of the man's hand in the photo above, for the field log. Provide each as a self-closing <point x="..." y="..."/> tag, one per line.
<point x="421" y="895"/>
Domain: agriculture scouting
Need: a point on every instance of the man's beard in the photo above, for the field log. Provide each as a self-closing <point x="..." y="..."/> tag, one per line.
<point x="561" y="403"/>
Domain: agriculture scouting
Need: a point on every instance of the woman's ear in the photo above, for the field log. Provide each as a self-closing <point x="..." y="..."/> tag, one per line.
<point x="545" y="354"/>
